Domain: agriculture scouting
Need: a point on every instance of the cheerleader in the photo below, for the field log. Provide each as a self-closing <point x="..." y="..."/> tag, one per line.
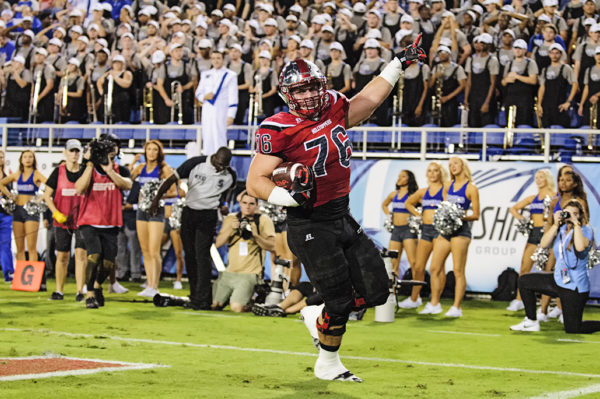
<point x="150" y="228"/>
<point x="545" y="184"/>
<point x="175" y="236"/>
<point x="6" y="220"/>
<point x="429" y="198"/>
<point x="402" y="237"/>
<point x="28" y="180"/>
<point x="461" y="191"/>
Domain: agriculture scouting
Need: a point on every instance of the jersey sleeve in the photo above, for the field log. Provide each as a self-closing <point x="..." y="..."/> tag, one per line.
<point x="270" y="139"/>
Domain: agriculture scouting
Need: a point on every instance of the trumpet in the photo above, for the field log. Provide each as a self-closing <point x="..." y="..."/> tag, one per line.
<point x="258" y="97"/>
<point x="92" y="100"/>
<point x="65" y="93"/>
<point x="108" y="100"/>
<point x="329" y="80"/>
<point x="148" y="104"/>
<point x="177" y="102"/>
<point x="538" y="117"/>
<point x="33" y="107"/>
<point x="436" y="99"/>
<point x="593" y="124"/>
<point x="510" y="125"/>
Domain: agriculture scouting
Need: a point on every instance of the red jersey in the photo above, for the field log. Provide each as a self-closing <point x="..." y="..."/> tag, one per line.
<point x="322" y="145"/>
<point x="101" y="206"/>
<point x="65" y="197"/>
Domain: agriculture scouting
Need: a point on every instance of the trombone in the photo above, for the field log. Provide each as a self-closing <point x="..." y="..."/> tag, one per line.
<point x="510" y="125"/>
<point x="593" y="124"/>
<point x="148" y="104"/>
<point x="108" y="100"/>
<point x="92" y="100"/>
<point x="436" y="99"/>
<point x="35" y="95"/>
<point x="258" y="97"/>
<point x="177" y="102"/>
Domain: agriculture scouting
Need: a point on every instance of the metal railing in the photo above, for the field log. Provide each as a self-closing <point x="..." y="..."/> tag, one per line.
<point x="369" y="141"/>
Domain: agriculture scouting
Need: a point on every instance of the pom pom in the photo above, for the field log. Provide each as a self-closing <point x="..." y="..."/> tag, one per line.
<point x="388" y="224"/>
<point x="593" y="257"/>
<point x="547" y="201"/>
<point x="176" y="212"/>
<point x="8" y="204"/>
<point x="524" y="226"/>
<point x="36" y="206"/>
<point x="448" y="218"/>
<point x="414" y="224"/>
<point x="540" y="258"/>
<point x="147" y="194"/>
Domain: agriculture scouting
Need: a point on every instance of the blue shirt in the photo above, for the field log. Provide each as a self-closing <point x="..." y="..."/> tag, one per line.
<point x="7" y="50"/>
<point x="574" y="262"/>
<point x="539" y="40"/>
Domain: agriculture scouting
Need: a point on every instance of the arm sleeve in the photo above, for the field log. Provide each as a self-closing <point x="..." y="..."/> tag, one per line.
<point x="53" y="179"/>
<point x="232" y="89"/>
<point x="200" y="89"/>
<point x="533" y="68"/>
<point x="185" y="168"/>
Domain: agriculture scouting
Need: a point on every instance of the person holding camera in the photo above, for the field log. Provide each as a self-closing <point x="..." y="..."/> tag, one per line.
<point x="571" y="238"/>
<point x="100" y="215"/>
<point x="248" y="234"/>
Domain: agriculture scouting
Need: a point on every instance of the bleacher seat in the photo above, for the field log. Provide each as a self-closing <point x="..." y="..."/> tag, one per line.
<point x="69" y="133"/>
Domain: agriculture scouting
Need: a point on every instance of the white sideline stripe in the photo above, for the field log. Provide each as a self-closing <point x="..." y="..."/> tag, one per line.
<point x="577" y="340"/>
<point x="209" y="315"/>
<point x="282" y="352"/>
<point x="573" y="393"/>
<point x="126" y="366"/>
<point x="464" y="333"/>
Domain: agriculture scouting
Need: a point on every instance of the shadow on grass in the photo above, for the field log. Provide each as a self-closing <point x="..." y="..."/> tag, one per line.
<point x="314" y="388"/>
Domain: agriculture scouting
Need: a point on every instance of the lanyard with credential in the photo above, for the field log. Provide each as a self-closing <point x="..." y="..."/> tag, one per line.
<point x="564" y="272"/>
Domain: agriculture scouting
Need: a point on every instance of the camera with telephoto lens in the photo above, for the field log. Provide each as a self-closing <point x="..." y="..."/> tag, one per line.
<point x="564" y="216"/>
<point x="245" y="230"/>
<point x="99" y="150"/>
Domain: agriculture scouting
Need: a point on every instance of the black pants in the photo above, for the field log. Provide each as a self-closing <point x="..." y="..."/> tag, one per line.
<point x="342" y="263"/>
<point x="572" y="302"/>
<point x="101" y="245"/>
<point x="198" y="230"/>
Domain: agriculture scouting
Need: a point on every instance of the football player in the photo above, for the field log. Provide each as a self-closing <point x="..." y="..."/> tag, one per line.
<point x="340" y="260"/>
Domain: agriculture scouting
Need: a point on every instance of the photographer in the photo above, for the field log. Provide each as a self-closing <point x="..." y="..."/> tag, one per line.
<point x="247" y="234"/>
<point x="571" y="239"/>
<point x="100" y="215"/>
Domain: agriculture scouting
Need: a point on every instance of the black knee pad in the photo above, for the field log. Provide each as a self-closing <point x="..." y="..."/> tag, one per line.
<point x="333" y="324"/>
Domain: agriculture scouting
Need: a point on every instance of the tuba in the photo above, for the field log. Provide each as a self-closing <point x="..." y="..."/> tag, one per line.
<point x="510" y="125"/>
<point x="436" y="99"/>
<point x="33" y="108"/>
<point x="108" y="100"/>
<point x="148" y="104"/>
<point x="177" y="102"/>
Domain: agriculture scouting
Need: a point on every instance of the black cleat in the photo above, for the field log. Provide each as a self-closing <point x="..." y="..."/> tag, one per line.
<point x="99" y="296"/>
<point x="57" y="296"/>
<point x="91" y="303"/>
<point x="79" y="297"/>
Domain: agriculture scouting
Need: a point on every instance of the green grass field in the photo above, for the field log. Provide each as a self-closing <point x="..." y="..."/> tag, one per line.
<point x="225" y="355"/>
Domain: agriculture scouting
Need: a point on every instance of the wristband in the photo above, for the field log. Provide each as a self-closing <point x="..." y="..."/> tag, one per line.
<point x="280" y="196"/>
<point x="391" y="73"/>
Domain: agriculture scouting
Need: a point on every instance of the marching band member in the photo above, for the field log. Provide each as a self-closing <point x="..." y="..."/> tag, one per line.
<point x="121" y="81"/>
<point x="46" y="89"/>
<point x="74" y="84"/>
<point x="18" y="89"/>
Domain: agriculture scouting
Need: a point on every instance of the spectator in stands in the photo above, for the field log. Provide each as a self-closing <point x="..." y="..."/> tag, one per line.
<point x="364" y="71"/>
<point x="416" y="87"/>
<point x="538" y="212"/>
<point x="338" y="73"/>
<point x="120" y="79"/>
<point x="402" y="237"/>
<point x="307" y="48"/>
<point x="449" y="35"/>
<point x="540" y="52"/>
<point x="392" y="16"/>
<point x="25" y="226"/>
<point x="74" y="85"/>
<point x="47" y="75"/>
<point x="248" y="234"/>
<point x="293" y="49"/>
<point x="452" y="79"/>
<point x="505" y="52"/>
<point x="583" y="56"/>
<point x="551" y="10"/>
<point x="267" y="78"/>
<point x="18" y="89"/>
<point x="6" y="221"/>
<point x="63" y="202"/>
<point x="581" y="24"/>
<point x="572" y="238"/>
<point x="323" y="43"/>
<point x="520" y="78"/>
<point x="554" y="97"/>
<point x="482" y="71"/>
<point x="588" y="107"/>
<point x="243" y="70"/>
<point x="466" y="197"/>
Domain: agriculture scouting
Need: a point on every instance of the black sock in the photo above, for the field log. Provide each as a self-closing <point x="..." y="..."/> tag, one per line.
<point x="329" y="348"/>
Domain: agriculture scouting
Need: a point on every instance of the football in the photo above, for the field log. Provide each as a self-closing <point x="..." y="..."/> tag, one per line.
<point x="284" y="174"/>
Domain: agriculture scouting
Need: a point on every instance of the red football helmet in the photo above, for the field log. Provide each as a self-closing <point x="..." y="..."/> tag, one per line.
<point x="300" y="73"/>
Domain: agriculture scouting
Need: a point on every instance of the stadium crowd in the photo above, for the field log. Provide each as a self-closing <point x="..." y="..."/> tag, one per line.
<point x="124" y="61"/>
